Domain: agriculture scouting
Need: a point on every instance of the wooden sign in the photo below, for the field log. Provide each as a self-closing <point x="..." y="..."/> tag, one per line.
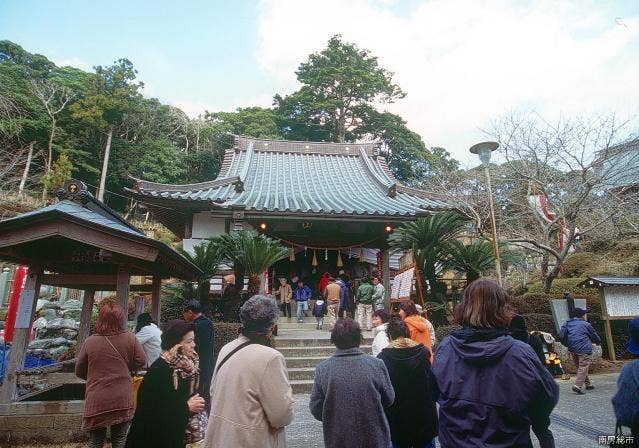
<point x="621" y="301"/>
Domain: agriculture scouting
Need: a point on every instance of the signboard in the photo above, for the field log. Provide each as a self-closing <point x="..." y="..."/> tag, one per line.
<point x="403" y="285"/>
<point x="559" y="309"/>
<point x="25" y="309"/>
<point x="622" y="301"/>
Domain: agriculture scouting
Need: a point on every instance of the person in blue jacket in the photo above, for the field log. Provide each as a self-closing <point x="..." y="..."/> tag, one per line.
<point x="302" y="295"/>
<point x="488" y="381"/>
<point x="578" y="335"/>
<point x="626" y="400"/>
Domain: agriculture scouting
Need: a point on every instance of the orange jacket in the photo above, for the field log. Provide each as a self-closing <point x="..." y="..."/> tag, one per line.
<point x="419" y="333"/>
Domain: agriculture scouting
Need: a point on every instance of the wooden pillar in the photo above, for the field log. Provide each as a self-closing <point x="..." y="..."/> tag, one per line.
<point x="85" y="317"/>
<point x="386" y="277"/>
<point x="24" y="320"/>
<point x="608" y="329"/>
<point x="155" y="299"/>
<point x="122" y="290"/>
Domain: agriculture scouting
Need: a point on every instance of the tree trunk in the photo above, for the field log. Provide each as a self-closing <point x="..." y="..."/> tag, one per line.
<point x="25" y="173"/>
<point x="49" y="156"/>
<point x="105" y="164"/>
<point x="254" y="285"/>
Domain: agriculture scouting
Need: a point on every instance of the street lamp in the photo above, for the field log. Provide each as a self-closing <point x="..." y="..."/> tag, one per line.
<point x="483" y="150"/>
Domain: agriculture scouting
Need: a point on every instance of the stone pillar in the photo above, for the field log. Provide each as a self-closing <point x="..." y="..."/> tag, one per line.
<point x="24" y="320"/>
<point x="85" y="317"/>
<point x="4" y="285"/>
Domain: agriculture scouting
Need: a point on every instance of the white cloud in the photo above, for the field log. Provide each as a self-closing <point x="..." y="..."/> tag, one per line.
<point x="464" y="62"/>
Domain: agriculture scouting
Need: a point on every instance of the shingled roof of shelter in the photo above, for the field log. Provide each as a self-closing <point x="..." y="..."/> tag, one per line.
<point x="286" y="177"/>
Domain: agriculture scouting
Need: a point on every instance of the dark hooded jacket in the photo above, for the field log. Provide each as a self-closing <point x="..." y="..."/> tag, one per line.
<point x="488" y="382"/>
<point x="413" y="415"/>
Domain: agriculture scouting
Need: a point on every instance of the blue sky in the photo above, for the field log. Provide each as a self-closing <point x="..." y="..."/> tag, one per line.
<point x="462" y="62"/>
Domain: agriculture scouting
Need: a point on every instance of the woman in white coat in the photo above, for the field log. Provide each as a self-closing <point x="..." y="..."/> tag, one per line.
<point x="149" y="337"/>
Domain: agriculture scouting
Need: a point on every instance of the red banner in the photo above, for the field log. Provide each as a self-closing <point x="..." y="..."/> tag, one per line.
<point x="19" y="279"/>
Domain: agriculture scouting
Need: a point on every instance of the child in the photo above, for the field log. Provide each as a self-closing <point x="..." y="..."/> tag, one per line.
<point x="578" y="335"/>
<point x="319" y="311"/>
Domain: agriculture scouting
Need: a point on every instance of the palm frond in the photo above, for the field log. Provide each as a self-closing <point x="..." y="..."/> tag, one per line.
<point x="251" y="251"/>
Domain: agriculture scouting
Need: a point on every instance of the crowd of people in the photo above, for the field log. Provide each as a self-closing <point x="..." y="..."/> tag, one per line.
<point x="486" y="385"/>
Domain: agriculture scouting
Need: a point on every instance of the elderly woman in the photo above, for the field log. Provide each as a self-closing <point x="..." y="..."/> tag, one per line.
<point x="167" y="397"/>
<point x="488" y="381"/>
<point x="105" y="361"/>
<point x="251" y="398"/>
<point x="350" y="393"/>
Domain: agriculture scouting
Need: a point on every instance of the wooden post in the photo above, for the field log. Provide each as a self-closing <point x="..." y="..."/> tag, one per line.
<point x="386" y="277"/>
<point x="155" y="299"/>
<point x="24" y="320"/>
<point x="85" y="317"/>
<point x="606" y="317"/>
<point x="122" y="290"/>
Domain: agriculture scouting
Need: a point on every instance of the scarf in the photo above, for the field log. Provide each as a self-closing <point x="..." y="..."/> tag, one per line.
<point x="184" y="367"/>
<point x="402" y="343"/>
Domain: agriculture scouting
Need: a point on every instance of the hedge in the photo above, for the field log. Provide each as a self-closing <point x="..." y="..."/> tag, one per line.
<point x="540" y="322"/>
<point x="224" y="333"/>
<point x="531" y="303"/>
<point x="441" y="331"/>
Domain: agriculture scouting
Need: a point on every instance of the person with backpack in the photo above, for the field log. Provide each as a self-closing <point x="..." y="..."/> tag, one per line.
<point x="578" y="335"/>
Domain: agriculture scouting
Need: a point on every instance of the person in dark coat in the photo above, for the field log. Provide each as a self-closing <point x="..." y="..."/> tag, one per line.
<point x="488" y="381"/>
<point x="350" y="393"/>
<point x="578" y="335"/>
<point x="626" y="400"/>
<point x="204" y="337"/>
<point x="413" y="415"/>
<point x="166" y="397"/>
<point x="539" y="414"/>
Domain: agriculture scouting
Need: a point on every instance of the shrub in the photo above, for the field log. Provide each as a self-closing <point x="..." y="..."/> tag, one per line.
<point x="531" y="303"/>
<point x="442" y="331"/>
<point x="225" y="332"/>
<point x="619" y="335"/>
<point x="581" y="264"/>
<point x="540" y="322"/>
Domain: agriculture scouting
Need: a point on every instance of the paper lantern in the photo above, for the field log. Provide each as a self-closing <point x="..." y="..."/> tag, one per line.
<point x="339" y="259"/>
<point x="361" y="255"/>
<point x="291" y="254"/>
<point x="314" y="262"/>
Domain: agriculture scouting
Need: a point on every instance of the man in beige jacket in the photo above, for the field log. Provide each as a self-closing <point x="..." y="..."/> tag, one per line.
<point x="251" y="397"/>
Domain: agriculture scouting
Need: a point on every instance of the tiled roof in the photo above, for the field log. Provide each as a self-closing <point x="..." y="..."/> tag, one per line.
<point x="71" y="208"/>
<point x="303" y="177"/>
<point x="595" y="282"/>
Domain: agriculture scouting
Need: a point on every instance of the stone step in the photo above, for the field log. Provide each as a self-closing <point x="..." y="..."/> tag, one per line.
<point x="304" y="361"/>
<point x="309" y="342"/>
<point x="323" y="350"/>
<point x="302" y="386"/>
<point x="301" y="373"/>
<point x="297" y="326"/>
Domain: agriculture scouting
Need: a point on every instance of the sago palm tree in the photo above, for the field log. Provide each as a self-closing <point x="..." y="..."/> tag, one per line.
<point x="427" y="238"/>
<point x="251" y="253"/>
<point x="208" y="257"/>
<point x="477" y="258"/>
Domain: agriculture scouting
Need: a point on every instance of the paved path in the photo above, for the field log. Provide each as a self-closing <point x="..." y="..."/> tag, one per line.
<point x="577" y="421"/>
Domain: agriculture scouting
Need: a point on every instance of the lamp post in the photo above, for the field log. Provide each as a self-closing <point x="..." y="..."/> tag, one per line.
<point x="483" y="150"/>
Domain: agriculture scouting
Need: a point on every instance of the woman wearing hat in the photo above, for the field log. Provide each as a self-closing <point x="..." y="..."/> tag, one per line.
<point x="626" y="400"/>
<point x="167" y="395"/>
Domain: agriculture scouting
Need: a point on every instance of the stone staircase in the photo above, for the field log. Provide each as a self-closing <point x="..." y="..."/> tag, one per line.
<point x="304" y="348"/>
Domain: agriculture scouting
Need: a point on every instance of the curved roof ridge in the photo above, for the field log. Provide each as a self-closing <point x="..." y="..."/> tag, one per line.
<point x="140" y="185"/>
<point x="304" y="147"/>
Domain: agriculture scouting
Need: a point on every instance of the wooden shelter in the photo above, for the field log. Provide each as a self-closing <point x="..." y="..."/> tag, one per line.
<point x="79" y="243"/>
<point x="317" y="198"/>
<point x="619" y="298"/>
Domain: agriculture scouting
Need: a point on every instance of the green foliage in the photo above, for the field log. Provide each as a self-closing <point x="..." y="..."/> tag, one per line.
<point x="428" y="238"/>
<point x="252" y="251"/>
<point x="531" y="303"/>
<point x="60" y="172"/>
<point x="207" y="256"/>
<point x="581" y="264"/>
<point x="255" y="122"/>
<point x="161" y="161"/>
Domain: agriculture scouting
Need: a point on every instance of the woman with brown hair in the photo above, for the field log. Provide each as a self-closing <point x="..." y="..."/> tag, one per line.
<point x="417" y="325"/>
<point x="488" y="381"/>
<point x="106" y="361"/>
